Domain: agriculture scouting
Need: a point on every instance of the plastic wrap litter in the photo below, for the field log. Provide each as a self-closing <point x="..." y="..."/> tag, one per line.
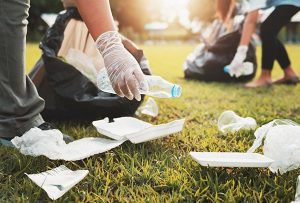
<point x="230" y="122"/>
<point x="281" y="142"/>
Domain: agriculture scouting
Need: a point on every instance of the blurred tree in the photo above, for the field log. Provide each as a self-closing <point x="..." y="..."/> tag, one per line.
<point x="202" y="10"/>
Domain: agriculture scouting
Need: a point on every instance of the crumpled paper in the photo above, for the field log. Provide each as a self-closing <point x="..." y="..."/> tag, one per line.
<point x="281" y="140"/>
<point x="50" y="143"/>
<point x="230" y="122"/>
<point x="58" y="181"/>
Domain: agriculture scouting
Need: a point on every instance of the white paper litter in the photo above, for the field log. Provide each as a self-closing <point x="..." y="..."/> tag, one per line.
<point x="297" y="196"/>
<point x="281" y="143"/>
<point x="83" y="63"/>
<point x="230" y="122"/>
<point x="135" y="130"/>
<point x="50" y="143"/>
<point x="149" y="108"/>
<point x="231" y="159"/>
<point x="58" y="181"/>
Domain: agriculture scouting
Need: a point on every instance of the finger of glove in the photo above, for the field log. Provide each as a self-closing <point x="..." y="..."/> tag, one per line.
<point x="231" y="70"/>
<point x="231" y="73"/>
<point x="125" y="89"/>
<point x="141" y="80"/>
<point x="133" y="86"/>
<point x="118" y="91"/>
<point x="114" y="79"/>
<point x="238" y="74"/>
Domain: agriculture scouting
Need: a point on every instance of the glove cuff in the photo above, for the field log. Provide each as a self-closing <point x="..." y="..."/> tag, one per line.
<point x="107" y="41"/>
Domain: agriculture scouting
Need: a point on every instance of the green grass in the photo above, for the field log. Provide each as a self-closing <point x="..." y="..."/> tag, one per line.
<point x="162" y="170"/>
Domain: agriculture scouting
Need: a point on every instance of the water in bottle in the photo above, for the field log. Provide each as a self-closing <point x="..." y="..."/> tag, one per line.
<point x="158" y="87"/>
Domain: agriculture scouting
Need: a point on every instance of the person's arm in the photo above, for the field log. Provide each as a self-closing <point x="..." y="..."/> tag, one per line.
<point x="249" y="27"/>
<point x="97" y="16"/>
<point x="123" y="70"/>
<point x="241" y="53"/>
<point x="229" y="18"/>
<point x="232" y="8"/>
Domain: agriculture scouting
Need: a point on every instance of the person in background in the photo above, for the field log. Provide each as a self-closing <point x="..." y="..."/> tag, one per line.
<point x="225" y="12"/>
<point x="20" y="103"/>
<point x="272" y="48"/>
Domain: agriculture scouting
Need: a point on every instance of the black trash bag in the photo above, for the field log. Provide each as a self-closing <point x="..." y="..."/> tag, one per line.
<point x="68" y="94"/>
<point x="207" y="62"/>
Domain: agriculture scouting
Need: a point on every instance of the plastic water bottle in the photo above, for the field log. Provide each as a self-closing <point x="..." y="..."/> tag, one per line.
<point x="158" y="87"/>
<point x="247" y="69"/>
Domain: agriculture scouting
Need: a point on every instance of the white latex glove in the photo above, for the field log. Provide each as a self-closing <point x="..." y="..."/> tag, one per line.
<point x="123" y="70"/>
<point x="236" y="66"/>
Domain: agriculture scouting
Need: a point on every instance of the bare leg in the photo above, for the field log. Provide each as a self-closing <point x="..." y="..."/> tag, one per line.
<point x="264" y="80"/>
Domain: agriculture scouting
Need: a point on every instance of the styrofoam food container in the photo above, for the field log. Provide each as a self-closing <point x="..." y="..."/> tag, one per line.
<point x="135" y="130"/>
<point x="231" y="159"/>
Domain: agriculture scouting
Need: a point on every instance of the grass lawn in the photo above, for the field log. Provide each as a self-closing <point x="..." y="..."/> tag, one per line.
<point x="162" y="170"/>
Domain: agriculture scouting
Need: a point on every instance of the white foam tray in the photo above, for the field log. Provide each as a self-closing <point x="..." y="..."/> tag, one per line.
<point x="135" y="130"/>
<point x="231" y="159"/>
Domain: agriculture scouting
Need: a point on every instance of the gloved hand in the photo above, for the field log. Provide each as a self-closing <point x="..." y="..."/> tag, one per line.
<point x="236" y="66"/>
<point x="123" y="70"/>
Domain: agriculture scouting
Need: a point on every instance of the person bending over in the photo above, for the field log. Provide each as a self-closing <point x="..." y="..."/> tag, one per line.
<point x="20" y="103"/>
<point x="272" y="48"/>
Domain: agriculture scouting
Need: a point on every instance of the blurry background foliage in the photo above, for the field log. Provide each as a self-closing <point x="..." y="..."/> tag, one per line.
<point x="132" y="15"/>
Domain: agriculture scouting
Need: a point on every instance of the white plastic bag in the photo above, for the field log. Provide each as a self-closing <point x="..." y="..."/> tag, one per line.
<point x="149" y="108"/>
<point x="230" y="122"/>
<point x="58" y="181"/>
<point x="50" y="143"/>
<point x="282" y="144"/>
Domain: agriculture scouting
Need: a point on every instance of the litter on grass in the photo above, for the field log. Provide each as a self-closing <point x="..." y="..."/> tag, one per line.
<point x="230" y="122"/>
<point x="58" y="181"/>
<point x="135" y="130"/>
<point x="281" y="140"/>
<point x="50" y="143"/>
<point x="149" y="108"/>
<point x="231" y="159"/>
<point x="297" y="196"/>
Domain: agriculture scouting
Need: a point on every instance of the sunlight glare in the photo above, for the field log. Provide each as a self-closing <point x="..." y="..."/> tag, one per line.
<point x="171" y="9"/>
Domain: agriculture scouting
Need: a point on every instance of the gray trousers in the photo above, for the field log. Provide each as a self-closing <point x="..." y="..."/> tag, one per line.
<point x="20" y="105"/>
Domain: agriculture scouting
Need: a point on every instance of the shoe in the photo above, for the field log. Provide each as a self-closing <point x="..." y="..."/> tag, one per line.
<point x="287" y="81"/>
<point x="48" y="126"/>
<point x="6" y="142"/>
